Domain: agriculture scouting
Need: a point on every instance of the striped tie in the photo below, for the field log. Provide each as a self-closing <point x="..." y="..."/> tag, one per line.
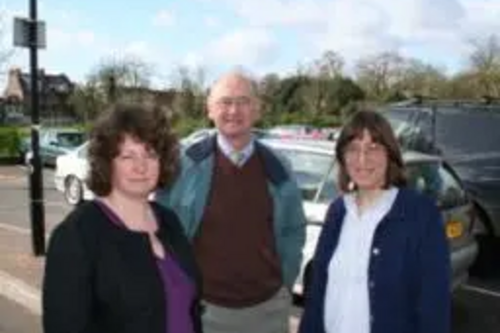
<point x="237" y="157"/>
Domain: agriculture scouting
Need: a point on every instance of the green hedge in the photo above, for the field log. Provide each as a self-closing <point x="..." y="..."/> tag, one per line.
<point x="10" y="140"/>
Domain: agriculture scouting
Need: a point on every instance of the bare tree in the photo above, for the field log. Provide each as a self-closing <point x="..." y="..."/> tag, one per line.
<point x="121" y="73"/>
<point x="420" y="78"/>
<point x="329" y="65"/>
<point x="87" y="100"/>
<point x="485" y="65"/>
<point x="320" y="73"/>
<point x="5" y="52"/>
<point x="379" y="74"/>
<point x="189" y="84"/>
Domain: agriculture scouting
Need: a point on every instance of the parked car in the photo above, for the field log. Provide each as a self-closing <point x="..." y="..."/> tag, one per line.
<point x="467" y="135"/>
<point x="297" y="132"/>
<point x="53" y="142"/>
<point x="314" y="167"/>
<point x="70" y="174"/>
<point x="206" y="132"/>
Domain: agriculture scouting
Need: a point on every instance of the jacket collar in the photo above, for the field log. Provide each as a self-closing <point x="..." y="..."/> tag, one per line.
<point x="275" y="170"/>
<point x="398" y="210"/>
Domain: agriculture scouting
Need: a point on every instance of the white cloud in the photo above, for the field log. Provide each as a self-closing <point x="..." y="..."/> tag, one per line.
<point x="86" y="38"/>
<point x="193" y="60"/>
<point x="164" y="18"/>
<point x="356" y="28"/>
<point x="251" y="47"/>
<point x="211" y="22"/>
<point x="268" y="13"/>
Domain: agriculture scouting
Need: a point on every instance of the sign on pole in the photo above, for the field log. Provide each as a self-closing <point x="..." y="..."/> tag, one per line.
<point x="24" y="33"/>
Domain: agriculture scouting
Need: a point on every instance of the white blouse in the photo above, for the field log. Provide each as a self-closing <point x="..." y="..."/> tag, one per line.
<point x="347" y="307"/>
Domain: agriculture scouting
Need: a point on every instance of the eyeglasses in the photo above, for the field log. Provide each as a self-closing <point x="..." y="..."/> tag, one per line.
<point x="238" y="101"/>
<point x="371" y="151"/>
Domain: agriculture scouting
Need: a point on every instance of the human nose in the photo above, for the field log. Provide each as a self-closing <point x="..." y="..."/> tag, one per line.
<point x="140" y="164"/>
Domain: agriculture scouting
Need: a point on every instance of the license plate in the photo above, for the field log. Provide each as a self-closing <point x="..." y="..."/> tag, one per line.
<point x="454" y="229"/>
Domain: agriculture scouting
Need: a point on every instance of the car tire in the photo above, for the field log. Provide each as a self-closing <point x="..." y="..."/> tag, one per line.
<point x="73" y="190"/>
<point x="306" y="281"/>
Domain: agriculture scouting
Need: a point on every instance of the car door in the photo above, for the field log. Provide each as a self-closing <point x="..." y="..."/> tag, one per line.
<point x="51" y="148"/>
<point x="437" y="180"/>
<point x="457" y="208"/>
<point x="44" y="146"/>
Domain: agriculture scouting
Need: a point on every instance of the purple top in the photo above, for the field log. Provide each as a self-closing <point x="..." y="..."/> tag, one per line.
<point x="179" y="290"/>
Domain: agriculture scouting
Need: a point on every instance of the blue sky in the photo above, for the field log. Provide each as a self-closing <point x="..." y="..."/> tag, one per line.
<point x="260" y="35"/>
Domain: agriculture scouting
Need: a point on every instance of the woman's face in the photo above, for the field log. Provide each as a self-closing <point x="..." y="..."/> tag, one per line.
<point x="366" y="162"/>
<point x="136" y="169"/>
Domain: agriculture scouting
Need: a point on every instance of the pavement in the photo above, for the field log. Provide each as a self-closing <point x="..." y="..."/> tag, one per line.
<point x="20" y="272"/>
<point x="20" y="320"/>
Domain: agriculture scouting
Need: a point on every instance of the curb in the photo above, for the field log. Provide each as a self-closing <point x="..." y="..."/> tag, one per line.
<point x="20" y="292"/>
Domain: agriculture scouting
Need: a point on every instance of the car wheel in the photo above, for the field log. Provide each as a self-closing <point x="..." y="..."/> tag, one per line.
<point x="73" y="190"/>
<point x="487" y="261"/>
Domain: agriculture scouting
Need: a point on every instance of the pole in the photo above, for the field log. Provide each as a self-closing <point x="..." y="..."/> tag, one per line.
<point x="36" y="178"/>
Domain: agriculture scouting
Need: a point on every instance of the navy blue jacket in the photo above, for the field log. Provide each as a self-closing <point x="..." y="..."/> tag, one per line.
<point x="409" y="269"/>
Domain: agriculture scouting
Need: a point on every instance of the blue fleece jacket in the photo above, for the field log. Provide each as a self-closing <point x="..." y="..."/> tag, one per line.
<point x="189" y="194"/>
<point x="409" y="274"/>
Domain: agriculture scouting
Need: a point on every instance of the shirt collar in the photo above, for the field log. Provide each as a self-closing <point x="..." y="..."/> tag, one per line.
<point x="228" y="150"/>
<point x="383" y="203"/>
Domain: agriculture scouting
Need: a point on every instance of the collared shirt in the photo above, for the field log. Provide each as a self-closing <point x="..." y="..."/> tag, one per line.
<point x="229" y="151"/>
<point x="347" y="304"/>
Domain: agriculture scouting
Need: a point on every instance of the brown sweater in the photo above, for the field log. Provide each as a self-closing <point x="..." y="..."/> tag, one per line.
<point x="235" y="246"/>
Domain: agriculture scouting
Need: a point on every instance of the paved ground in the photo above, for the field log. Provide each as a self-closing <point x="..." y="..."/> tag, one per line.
<point x="16" y="319"/>
<point x="476" y="308"/>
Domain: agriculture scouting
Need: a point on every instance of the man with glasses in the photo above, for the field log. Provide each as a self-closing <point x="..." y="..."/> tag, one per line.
<point x="243" y="213"/>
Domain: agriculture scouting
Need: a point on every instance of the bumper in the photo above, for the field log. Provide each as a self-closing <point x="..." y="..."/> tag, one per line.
<point x="59" y="183"/>
<point x="461" y="260"/>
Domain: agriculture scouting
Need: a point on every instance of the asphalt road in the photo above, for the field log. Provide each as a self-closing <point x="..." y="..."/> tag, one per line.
<point x="16" y="319"/>
<point x="476" y="307"/>
<point x="15" y="198"/>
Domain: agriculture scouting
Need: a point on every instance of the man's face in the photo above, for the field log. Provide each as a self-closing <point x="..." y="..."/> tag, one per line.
<point x="233" y="107"/>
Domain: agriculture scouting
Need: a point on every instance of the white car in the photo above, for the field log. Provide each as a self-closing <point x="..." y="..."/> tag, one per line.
<point x="314" y="167"/>
<point x="70" y="174"/>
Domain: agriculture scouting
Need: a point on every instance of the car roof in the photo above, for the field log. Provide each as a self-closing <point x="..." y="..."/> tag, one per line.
<point x="61" y="130"/>
<point x="328" y="148"/>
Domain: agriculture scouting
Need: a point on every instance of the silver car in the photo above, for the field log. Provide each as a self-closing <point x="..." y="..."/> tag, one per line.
<point x="315" y="168"/>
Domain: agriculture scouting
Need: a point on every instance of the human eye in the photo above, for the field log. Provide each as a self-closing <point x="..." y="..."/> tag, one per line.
<point x="243" y="100"/>
<point x="224" y="102"/>
<point x="151" y="154"/>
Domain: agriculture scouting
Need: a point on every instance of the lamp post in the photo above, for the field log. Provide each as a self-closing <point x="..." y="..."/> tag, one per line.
<point x="37" y="212"/>
<point x="30" y="33"/>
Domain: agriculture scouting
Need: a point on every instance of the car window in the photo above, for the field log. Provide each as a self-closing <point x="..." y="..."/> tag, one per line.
<point x="82" y="153"/>
<point x="329" y="189"/>
<point x="438" y="181"/>
<point x="425" y="177"/>
<point x="452" y="192"/>
<point x="309" y="169"/>
<point x="70" y="140"/>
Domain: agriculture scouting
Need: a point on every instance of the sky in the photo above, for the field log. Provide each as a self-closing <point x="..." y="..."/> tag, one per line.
<point x="261" y="36"/>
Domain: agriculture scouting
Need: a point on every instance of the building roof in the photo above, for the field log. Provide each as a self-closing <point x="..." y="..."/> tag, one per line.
<point x="19" y="84"/>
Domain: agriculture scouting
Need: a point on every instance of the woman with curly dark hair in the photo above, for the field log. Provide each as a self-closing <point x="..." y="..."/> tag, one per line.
<point x="121" y="263"/>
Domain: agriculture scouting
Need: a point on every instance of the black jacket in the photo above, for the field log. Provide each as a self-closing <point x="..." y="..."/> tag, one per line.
<point x="100" y="277"/>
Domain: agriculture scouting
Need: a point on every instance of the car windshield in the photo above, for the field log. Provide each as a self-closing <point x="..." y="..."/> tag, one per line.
<point x="450" y="125"/>
<point x="70" y="140"/>
<point x="309" y="170"/>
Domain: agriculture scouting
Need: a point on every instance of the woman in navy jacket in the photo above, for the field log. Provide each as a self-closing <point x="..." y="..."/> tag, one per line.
<point x="382" y="261"/>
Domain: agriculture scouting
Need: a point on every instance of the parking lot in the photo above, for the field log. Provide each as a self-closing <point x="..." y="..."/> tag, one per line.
<point x="476" y="306"/>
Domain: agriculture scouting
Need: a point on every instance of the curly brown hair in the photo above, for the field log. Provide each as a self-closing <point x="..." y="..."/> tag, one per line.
<point x="147" y="124"/>
<point x="381" y="132"/>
